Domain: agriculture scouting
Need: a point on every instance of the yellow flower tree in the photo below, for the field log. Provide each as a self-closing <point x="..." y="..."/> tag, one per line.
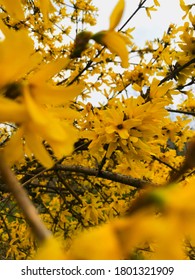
<point x="79" y="181"/>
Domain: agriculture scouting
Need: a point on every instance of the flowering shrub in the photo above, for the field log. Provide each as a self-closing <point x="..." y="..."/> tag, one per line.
<point x="115" y="181"/>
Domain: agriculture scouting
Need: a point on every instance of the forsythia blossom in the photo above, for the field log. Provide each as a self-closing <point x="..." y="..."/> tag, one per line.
<point x="113" y="40"/>
<point x="38" y="108"/>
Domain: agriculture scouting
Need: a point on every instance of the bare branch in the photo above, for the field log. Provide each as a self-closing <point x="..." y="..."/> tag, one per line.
<point x="115" y="177"/>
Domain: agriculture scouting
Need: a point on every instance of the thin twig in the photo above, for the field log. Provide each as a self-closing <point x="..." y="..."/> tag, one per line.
<point x="133" y="14"/>
<point x="69" y="188"/>
<point x="165" y="163"/>
<point x="181" y="112"/>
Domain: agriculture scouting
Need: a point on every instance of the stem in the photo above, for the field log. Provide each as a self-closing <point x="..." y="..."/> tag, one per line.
<point x="134" y="13"/>
<point x="23" y="201"/>
<point x="115" y="177"/>
<point x="181" y="112"/>
<point x="176" y="71"/>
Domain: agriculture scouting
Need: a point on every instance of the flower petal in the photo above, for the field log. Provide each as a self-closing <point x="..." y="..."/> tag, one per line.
<point x="11" y="111"/>
<point x="115" y="43"/>
<point x="48" y="70"/>
<point x="34" y="143"/>
<point x="14" y="8"/>
<point x="56" y="95"/>
<point x="36" y="112"/>
<point x="51" y="249"/>
<point x="13" y="151"/>
<point x="117" y="14"/>
<point x="64" y="147"/>
<point x="123" y="133"/>
<point x="16" y="43"/>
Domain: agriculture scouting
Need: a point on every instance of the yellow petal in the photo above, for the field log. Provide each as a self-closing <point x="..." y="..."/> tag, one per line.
<point x="99" y="243"/>
<point x="48" y="70"/>
<point x="46" y="7"/>
<point x="66" y="146"/>
<point x="34" y="143"/>
<point x="117" y="14"/>
<point x="16" y="66"/>
<point x="56" y="95"/>
<point x="36" y="112"/>
<point x="111" y="148"/>
<point x="13" y="8"/>
<point x="123" y="133"/>
<point x="13" y="151"/>
<point x="11" y="111"/>
<point x="115" y="43"/>
<point x="156" y="3"/>
<point x="65" y="113"/>
<point x="51" y="249"/>
<point x="43" y="122"/>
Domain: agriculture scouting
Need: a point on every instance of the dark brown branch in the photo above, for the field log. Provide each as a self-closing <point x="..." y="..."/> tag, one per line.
<point x="82" y="71"/>
<point x="115" y="177"/>
<point x="176" y="71"/>
<point x="135" y="12"/>
<point x="69" y="188"/>
<point x="181" y="112"/>
<point x="34" y="177"/>
<point x="165" y="163"/>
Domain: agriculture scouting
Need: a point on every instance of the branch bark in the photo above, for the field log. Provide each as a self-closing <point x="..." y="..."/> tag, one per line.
<point x="115" y="177"/>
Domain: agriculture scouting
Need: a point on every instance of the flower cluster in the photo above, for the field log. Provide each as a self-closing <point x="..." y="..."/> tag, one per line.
<point x="128" y="125"/>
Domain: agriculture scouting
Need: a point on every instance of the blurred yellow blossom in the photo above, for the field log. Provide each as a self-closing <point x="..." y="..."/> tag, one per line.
<point x="116" y="15"/>
<point x="51" y="249"/>
<point x="14" y="8"/>
<point x="35" y="106"/>
<point x="185" y="8"/>
<point x="46" y="8"/>
<point x="113" y="40"/>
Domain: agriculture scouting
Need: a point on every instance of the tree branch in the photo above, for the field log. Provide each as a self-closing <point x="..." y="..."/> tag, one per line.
<point x="176" y="71"/>
<point x="181" y="112"/>
<point x="60" y="177"/>
<point x="115" y="177"/>
<point x="135" y="12"/>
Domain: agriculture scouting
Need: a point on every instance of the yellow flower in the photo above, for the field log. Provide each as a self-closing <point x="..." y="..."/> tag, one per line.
<point x="185" y="8"/>
<point x="13" y="8"/>
<point x="51" y="249"/>
<point x="36" y="107"/>
<point x="157" y="91"/>
<point x="116" y="15"/>
<point x="37" y="123"/>
<point x="99" y="243"/>
<point x="113" y="40"/>
<point x="150" y="9"/>
<point x="17" y="55"/>
<point x="117" y="124"/>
